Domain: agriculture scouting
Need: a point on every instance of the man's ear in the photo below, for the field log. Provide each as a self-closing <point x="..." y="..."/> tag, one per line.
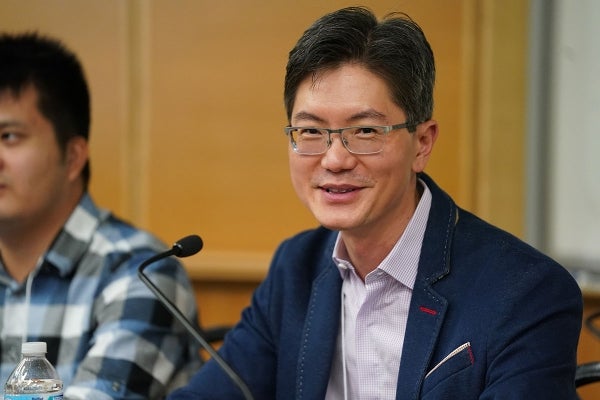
<point x="425" y="136"/>
<point x="76" y="156"/>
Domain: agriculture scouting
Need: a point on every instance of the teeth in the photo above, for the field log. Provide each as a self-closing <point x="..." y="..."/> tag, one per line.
<point x="339" y="190"/>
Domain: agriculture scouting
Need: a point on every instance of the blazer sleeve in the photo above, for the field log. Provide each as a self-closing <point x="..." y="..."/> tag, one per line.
<point x="532" y="347"/>
<point x="249" y="349"/>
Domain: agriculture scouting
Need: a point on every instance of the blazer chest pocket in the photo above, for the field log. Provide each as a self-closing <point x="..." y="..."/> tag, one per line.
<point x="458" y="360"/>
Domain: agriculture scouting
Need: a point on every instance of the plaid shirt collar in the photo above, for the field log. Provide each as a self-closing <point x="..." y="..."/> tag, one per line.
<point x="71" y="243"/>
<point x="74" y="239"/>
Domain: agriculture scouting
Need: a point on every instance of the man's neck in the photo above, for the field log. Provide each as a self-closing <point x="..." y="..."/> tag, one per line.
<point x="23" y="243"/>
<point x="366" y="253"/>
<point x="367" y="249"/>
<point x="21" y="259"/>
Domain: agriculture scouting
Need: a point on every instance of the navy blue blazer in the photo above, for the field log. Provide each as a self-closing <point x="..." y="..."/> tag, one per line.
<point x="518" y="310"/>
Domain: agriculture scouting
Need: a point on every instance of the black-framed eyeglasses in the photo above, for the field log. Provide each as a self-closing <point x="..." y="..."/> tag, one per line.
<point x="356" y="139"/>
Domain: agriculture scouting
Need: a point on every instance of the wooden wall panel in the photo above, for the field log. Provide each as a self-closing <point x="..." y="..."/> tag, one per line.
<point x="97" y="30"/>
<point x="500" y="112"/>
<point x="215" y="158"/>
<point x="187" y="110"/>
<point x="589" y="347"/>
<point x="188" y="116"/>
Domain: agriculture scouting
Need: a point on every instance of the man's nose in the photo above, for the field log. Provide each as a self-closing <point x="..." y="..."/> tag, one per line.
<point x="337" y="157"/>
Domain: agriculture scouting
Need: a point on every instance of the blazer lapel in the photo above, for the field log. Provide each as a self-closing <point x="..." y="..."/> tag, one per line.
<point x="425" y="319"/>
<point x="319" y="335"/>
<point x="427" y="308"/>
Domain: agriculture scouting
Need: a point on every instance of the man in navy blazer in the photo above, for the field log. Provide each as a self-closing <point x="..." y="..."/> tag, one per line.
<point x="400" y="294"/>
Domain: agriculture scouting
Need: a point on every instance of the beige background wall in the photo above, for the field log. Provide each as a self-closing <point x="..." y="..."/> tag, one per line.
<point x="188" y="116"/>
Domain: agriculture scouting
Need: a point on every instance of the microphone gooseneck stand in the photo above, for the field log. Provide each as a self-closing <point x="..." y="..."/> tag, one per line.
<point x="185" y="247"/>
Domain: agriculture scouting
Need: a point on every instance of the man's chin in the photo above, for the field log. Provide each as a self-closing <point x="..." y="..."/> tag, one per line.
<point x="336" y="218"/>
<point x="335" y="225"/>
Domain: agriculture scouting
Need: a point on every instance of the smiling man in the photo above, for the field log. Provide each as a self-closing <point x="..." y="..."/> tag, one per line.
<point x="400" y="294"/>
<point x="355" y="183"/>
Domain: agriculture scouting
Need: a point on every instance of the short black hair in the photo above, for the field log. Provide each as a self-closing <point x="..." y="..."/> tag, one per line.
<point x="30" y="59"/>
<point x="395" y="49"/>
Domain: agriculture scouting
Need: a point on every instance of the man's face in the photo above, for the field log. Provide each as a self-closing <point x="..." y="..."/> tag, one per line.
<point x="361" y="194"/>
<point x="33" y="171"/>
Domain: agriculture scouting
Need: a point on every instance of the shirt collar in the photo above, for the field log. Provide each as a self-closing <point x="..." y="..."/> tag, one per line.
<point x="76" y="236"/>
<point x="71" y="243"/>
<point x="402" y="262"/>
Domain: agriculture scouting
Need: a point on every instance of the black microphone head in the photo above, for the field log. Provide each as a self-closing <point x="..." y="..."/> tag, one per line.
<point x="187" y="246"/>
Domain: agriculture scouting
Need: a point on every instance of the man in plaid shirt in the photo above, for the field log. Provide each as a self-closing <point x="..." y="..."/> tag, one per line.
<point x="68" y="269"/>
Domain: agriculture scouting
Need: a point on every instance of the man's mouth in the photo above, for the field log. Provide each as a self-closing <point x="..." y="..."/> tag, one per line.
<point x="332" y="190"/>
<point x="338" y="190"/>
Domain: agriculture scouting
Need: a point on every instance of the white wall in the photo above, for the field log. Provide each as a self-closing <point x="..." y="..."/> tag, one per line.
<point x="571" y="195"/>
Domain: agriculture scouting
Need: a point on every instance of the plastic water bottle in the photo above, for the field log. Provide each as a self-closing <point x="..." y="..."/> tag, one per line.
<point x="34" y="378"/>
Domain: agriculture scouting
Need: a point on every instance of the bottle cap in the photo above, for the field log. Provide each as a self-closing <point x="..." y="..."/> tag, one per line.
<point x="33" y="348"/>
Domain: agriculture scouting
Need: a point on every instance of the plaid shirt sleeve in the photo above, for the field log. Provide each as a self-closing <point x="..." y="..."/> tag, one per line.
<point x="137" y="350"/>
<point x="107" y="335"/>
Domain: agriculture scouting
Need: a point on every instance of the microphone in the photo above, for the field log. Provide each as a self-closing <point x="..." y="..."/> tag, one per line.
<point x="186" y="247"/>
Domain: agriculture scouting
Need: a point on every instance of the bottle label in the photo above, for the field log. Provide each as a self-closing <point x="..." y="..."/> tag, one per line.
<point x="36" y="396"/>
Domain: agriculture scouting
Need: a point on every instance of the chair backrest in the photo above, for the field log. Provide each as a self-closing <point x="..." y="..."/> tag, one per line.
<point x="587" y="373"/>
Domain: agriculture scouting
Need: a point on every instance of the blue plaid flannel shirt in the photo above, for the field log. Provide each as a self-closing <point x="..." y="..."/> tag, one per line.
<point x="107" y="335"/>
